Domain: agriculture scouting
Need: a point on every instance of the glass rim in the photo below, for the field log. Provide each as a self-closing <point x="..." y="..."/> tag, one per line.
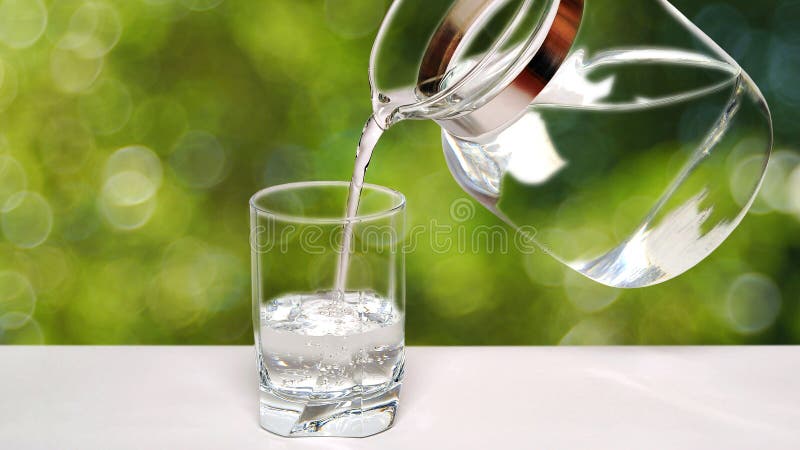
<point x="398" y="205"/>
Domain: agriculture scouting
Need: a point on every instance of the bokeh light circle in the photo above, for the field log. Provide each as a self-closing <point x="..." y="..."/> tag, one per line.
<point x="28" y="221"/>
<point x="9" y="84"/>
<point x="784" y="58"/>
<point x="793" y="186"/>
<point x="282" y="164"/>
<point x="726" y="25"/>
<point x="591" y="331"/>
<point x="354" y="18"/>
<point x="132" y="176"/>
<point x="588" y="295"/>
<point x="74" y="206"/>
<point x="107" y="107"/>
<point x="201" y="5"/>
<point x="181" y="292"/>
<point x="132" y="274"/>
<point x="72" y="72"/>
<point x="12" y="180"/>
<point x="29" y="334"/>
<point x="199" y="160"/>
<point x="230" y="280"/>
<point x="459" y="286"/>
<point x="94" y="29"/>
<point x="121" y="201"/>
<point x="136" y="158"/>
<point x="128" y="188"/>
<point x="775" y="188"/>
<point x="174" y="215"/>
<point x="784" y="21"/>
<point x="753" y="303"/>
<point x="630" y="214"/>
<point x="51" y="269"/>
<point x="17" y="300"/>
<point x="22" y="22"/>
<point x="543" y="269"/>
<point x="159" y="122"/>
<point x="743" y="182"/>
<point x="65" y="145"/>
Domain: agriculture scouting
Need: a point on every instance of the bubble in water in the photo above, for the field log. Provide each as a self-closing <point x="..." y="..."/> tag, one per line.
<point x="199" y="160"/>
<point x="106" y="107"/>
<point x="65" y="145"/>
<point x="587" y="295"/>
<point x="201" y="5"/>
<point x="135" y="158"/>
<point x="71" y="72"/>
<point x="17" y="300"/>
<point x="753" y="303"/>
<point x="9" y="84"/>
<point x="353" y="18"/>
<point x="22" y="22"/>
<point x="28" y="222"/>
<point x="12" y="181"/>
<point x="94" y="29"/>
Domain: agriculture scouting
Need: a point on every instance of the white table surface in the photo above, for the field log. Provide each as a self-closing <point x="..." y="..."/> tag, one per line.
<point x="453" y="398"/>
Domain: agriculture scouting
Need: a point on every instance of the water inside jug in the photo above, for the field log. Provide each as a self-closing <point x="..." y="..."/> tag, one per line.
<point x="606" y="130"/>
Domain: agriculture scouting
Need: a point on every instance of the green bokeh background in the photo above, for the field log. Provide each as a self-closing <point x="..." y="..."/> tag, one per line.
<point x="132" y="134"/>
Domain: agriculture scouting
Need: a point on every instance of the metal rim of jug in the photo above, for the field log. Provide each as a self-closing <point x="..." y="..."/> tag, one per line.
<point x="515" y="97"/>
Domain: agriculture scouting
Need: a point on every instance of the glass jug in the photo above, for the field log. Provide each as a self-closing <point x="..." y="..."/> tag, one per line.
<point x="608" y="129"/>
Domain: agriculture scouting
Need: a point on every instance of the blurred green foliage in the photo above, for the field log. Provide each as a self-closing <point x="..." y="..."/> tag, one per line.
<point x="132" y="134"/>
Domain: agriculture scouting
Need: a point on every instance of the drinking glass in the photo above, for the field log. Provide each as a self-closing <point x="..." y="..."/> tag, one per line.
<point x="330" y="361"/>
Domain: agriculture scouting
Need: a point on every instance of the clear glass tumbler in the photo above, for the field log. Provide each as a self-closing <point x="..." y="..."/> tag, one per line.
<point x="330" y="361"/>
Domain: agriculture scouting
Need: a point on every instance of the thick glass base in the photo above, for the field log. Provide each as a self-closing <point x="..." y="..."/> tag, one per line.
<point x="345" y="417"/>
